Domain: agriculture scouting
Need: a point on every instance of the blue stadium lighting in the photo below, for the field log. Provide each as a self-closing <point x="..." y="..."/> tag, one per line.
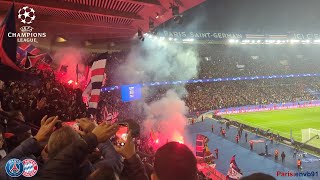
<point x="242" y="78"/>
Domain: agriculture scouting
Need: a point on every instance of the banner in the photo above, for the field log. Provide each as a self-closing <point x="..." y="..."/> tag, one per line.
<point x="234" y="172"/>
<point x="200" y="35"/>
<point x="306" y="36"/>
<point x="209" y="35"/>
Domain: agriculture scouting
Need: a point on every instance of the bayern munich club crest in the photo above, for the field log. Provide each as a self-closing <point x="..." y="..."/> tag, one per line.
<point x="14" y="168"/>
<point x="30" y="168"/>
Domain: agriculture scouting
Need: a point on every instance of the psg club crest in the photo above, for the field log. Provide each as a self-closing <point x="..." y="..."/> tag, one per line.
<point x="30" y="168"/>
<point x="26" y="168"/>
<point x="14" y="168"/>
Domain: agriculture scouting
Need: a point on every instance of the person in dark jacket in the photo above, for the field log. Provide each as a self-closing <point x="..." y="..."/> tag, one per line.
<point x="104" y="173"/>
<point x="133" y="166"/>
<point x="66" y="163"/>
<point x="111" y="159"/>
<point x="31" y="146"/>
<point x="283" y="156"/>
<point x="246" y="136"/>
<point x="174" y="161"/>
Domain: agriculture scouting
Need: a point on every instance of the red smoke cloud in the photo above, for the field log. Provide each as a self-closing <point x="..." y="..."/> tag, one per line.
<point x="166" y="120"/>
<point x="68" y="59"/>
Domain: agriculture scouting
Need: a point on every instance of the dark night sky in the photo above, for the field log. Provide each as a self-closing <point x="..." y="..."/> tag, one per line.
<point x="253" y="16"/>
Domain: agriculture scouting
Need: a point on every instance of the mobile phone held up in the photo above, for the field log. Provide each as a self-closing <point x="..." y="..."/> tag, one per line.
<point x="121" y="135"/>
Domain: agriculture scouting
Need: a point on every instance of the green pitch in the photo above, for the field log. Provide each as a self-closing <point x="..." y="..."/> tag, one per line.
<point x="281" y="121"/>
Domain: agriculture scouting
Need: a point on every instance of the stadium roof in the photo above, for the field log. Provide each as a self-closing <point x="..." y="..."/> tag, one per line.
<point x="97" y="20"/>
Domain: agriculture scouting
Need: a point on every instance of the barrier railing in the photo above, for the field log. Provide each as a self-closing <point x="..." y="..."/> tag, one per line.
<point x="269" y="107"/>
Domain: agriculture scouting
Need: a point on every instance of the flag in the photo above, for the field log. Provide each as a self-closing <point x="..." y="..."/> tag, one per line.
<point x="77" y="72"/>
<point x="234" y="172"/>
<point x="28" y="56"/>
<point x="31" y="61"/>
<point x="24" y="49"/>
<point x="8" y="45"/>
<point x="64" y="69"/>
<point x="94" y="87"/>
<point x="45" y="62"/>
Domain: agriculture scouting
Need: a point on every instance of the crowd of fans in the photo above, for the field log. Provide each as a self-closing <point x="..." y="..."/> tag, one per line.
<point x="232" y="61"/>
<point x="202" y="97"/>
<point x="46" y="97"/>
<point x="63" y="152"/>
<point x="87" y="153"/>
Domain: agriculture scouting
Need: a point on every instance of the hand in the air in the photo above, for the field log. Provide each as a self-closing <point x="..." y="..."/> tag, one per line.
<point x="104" y="131"/>
<point x="86" y="125"/>
<point x="129" y="149"/>
<point x="47" y="126"/>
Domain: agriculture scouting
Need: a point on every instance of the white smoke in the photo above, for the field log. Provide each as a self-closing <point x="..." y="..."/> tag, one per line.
<point x="160" y="60"/>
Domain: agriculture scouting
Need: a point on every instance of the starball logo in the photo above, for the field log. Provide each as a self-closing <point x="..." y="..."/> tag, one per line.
<point x="27" y="15"/>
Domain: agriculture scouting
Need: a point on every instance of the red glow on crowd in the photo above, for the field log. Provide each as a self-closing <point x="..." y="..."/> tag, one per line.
<point x="158" y="139"/>
<point x="178" y="138"/>
<point x="70" y="82"/>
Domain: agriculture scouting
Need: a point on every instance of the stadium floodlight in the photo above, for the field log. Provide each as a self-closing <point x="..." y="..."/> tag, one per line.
<point x="245" y="41"/>
<point x="231" y="40"/>
<point x="155" y="37"/>
<point x="188" y="40"/>
<point x="294" y="41"/>
<point x="175" y="39"/>
<point x="317" y="41"/>
<point x="306" y="41"/>
<point x="170" y="39"/>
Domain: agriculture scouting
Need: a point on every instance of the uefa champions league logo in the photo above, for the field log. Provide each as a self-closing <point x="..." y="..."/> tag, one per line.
<point x="26" y="15"/>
